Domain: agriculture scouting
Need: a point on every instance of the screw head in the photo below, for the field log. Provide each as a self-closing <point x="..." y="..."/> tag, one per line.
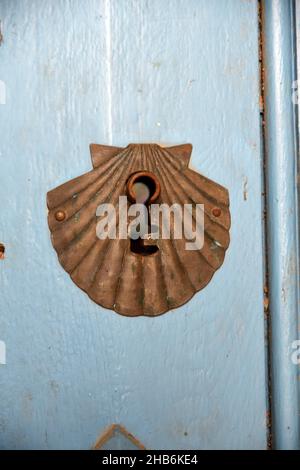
<point x="60" y="216"/>
<point x="216" y="212"/>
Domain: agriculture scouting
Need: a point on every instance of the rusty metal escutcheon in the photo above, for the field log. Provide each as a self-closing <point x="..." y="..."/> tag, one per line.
<point x="138" y="277"/>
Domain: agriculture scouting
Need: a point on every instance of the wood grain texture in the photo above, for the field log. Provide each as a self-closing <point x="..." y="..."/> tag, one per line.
<point x="116" y="72"/>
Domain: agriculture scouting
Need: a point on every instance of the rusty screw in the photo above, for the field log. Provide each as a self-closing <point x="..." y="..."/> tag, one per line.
<point x="216" y="212"/>
<point x="2" y="251"/>
<point x="60" y="216"/>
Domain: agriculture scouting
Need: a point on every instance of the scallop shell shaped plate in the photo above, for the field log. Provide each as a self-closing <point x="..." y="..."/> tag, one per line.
<point x="108" y="270"/>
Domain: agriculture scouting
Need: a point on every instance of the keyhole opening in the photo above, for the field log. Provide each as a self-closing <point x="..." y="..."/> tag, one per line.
<point x="143" y="188"/>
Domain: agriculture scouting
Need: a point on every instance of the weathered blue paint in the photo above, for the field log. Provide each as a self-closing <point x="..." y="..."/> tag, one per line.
<point x="115" y="72"/>
<point x="282" y="220"/>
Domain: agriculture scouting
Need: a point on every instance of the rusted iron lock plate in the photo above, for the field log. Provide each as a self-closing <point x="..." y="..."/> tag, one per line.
<point x="146" y="275"/>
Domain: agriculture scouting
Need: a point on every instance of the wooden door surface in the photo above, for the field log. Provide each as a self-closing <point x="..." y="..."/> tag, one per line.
<point x="116" y="72"/>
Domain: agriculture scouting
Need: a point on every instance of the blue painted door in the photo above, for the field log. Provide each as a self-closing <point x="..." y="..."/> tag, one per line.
<point x="116" y="72"/>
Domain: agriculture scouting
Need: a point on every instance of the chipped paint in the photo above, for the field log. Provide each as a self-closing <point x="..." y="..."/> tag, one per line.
<point x="110" y="432"/>
<point x="245" y="188"/>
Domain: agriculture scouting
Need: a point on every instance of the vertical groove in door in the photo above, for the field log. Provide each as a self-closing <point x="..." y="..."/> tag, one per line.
<point x="265" y="234"/>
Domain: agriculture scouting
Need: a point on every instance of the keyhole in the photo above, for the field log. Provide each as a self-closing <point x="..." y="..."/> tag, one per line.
<point x="143" y="188"/>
